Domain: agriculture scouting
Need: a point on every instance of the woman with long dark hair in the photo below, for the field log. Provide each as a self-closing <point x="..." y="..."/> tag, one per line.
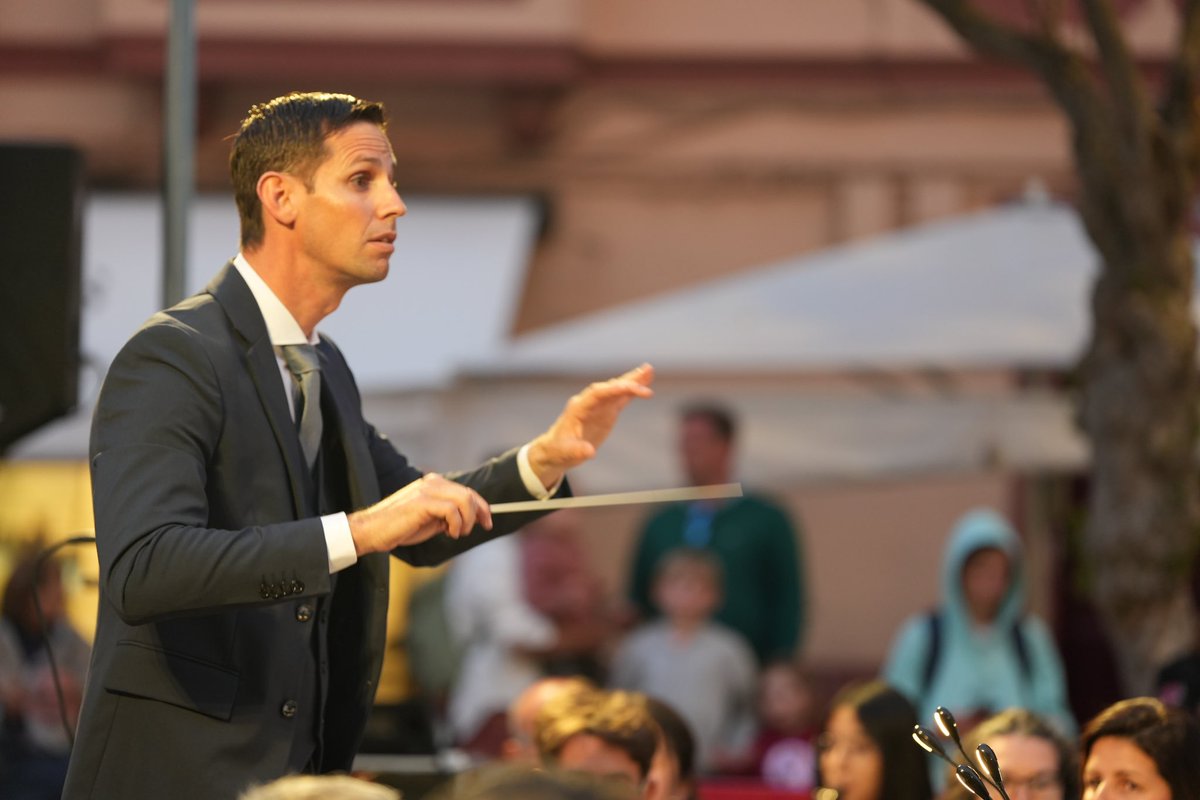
<point x="867" y="751"/>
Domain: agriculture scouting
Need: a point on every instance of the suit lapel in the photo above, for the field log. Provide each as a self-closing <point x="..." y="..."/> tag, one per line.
<point x="240" y="307"/>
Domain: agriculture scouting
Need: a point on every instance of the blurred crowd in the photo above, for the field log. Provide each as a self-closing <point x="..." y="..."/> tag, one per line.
<point x="696" y="687"/>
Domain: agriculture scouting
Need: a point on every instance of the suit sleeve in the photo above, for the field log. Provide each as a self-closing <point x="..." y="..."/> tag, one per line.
<point x="497" y="480"/>
<point x="154" y="449"/>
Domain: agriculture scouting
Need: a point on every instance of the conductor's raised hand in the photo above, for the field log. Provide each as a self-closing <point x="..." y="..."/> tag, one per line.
<point x="585" y="423"/>
<point x="424" y="508"/>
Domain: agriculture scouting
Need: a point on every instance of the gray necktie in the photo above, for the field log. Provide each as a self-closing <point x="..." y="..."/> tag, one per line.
<point x="306" y="369"/>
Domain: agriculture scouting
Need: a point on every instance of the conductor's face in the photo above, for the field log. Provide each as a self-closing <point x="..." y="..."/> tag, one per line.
<point x="346" y="222"/>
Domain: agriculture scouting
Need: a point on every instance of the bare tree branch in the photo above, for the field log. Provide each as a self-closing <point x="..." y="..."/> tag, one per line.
<point x="1037" y="13"/>
<point x="1120" y="72"/>
<point x="988" y="35"/>
<point x="1048" y="14"/>
<point x="1061" y="69"/>
<point x="1179" y="98"/>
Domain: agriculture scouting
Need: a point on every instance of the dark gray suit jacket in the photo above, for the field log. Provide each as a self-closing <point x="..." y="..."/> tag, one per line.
<point x="210" y="562"/>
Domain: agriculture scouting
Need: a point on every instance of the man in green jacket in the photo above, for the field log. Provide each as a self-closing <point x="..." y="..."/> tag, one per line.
<point x="754" y="540"/>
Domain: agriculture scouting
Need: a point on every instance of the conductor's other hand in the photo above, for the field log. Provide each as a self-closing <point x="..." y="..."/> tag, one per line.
<point x="585" y="423"/>
<point x="426" y="507"/>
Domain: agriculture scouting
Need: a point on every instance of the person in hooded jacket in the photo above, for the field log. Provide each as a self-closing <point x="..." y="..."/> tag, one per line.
<point x="980" y="651"/>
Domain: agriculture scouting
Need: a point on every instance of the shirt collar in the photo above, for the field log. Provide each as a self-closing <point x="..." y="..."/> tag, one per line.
<point x="282" y="327"/>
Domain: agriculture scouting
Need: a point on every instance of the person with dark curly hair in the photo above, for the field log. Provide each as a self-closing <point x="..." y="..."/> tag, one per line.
<point x="1141" y="748"/>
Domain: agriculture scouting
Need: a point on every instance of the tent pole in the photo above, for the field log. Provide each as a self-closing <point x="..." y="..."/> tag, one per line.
<point x="179" y="124"/>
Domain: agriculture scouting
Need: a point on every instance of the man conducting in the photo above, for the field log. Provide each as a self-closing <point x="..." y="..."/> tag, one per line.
<point x="245" y="509"/>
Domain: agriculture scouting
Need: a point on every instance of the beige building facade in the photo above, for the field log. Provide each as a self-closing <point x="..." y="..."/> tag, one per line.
<point x="670" y="142"/>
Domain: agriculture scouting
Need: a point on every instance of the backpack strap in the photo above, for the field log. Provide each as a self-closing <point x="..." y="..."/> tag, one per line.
<point x="933" y="621"/>
<point x="1021" y="648"/>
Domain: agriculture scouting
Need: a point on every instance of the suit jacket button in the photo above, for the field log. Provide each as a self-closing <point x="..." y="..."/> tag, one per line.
<point x="297" y="587"/>
<point x="288" y="710"/>
<point x="304" y="613"/>
<point x="276" y="591"/>
<point x="264" y="591"/>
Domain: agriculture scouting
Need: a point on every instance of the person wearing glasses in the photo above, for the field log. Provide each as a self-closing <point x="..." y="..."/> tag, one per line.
<point x="1035" y="761"/>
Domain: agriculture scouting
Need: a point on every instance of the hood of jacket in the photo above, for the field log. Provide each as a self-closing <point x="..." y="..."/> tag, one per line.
<point x="977" y="530"/>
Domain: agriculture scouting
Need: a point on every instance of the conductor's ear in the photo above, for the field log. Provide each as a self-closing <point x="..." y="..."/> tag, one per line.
<point x="277" y="193"/>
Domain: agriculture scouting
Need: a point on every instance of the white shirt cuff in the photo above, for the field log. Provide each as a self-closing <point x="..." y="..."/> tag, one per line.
<point x="339" y="542"/>
<point x="533" y="484"/>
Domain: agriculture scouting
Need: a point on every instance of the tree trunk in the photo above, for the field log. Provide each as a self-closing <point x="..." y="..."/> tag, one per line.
<point x="1138" y="166"/>
<point x="1138" y="407"/>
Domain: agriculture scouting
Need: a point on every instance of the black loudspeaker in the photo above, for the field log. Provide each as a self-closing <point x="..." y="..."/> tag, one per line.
<point x="41" y="216"/>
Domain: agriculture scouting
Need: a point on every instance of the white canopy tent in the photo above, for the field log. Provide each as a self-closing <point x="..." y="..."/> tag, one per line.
<point x="897" y="355"/>
<point x="1002" y="288"/>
